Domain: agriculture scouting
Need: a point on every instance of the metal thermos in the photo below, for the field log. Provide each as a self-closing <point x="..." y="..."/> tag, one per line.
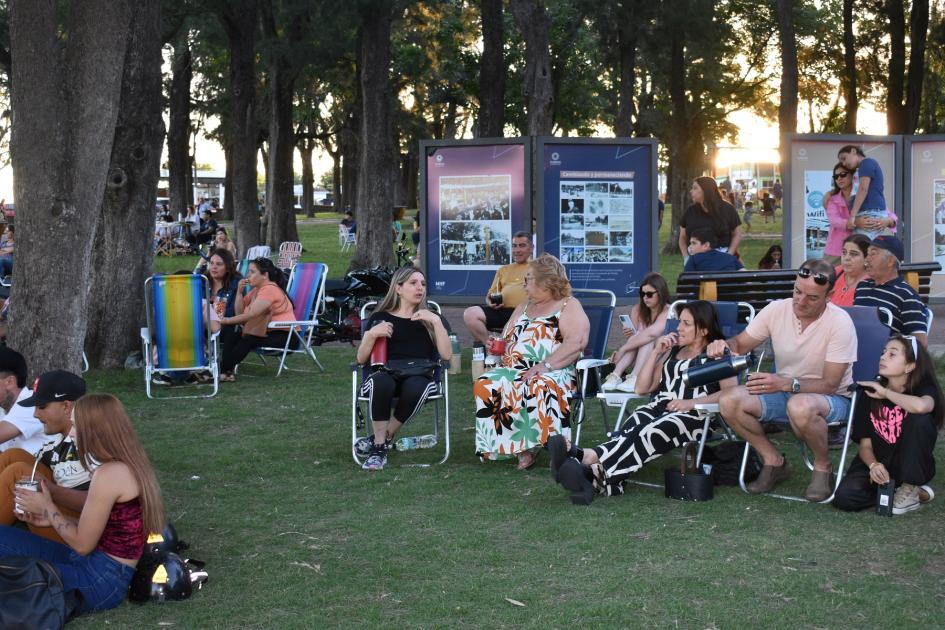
<point x="713" y="371"/>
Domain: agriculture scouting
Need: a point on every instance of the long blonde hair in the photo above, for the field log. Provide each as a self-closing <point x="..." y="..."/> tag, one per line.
<point x="391" y="301"/>
<point x="105" y="434"/>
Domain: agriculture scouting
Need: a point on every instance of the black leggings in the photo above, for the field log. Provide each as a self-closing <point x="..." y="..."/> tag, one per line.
<point x="381" y="388"/>
<point x="911" y="462"/>
<point x="237" y="347"/>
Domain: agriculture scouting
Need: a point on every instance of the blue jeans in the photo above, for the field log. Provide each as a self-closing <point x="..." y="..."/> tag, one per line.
<point x="774" y="408"/>
<point x="102" y="580"/>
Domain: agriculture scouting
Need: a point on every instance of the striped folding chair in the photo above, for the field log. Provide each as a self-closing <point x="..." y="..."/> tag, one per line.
<point x="178" y="336"/>
<point x="289" y="254"/>
<point x="307" y="292"/>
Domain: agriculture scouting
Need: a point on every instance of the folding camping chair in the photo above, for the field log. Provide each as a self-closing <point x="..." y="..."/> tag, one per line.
<point x="346" y="238"/>
<point x="258" y="251"/>
<point x="599" y="307"/>
<point x="178" y="313"/>
<point x="871" y="337"/>
<point x="440" y="377"/>
<point x="289" y="254"/>
<point x="306" y="288"/>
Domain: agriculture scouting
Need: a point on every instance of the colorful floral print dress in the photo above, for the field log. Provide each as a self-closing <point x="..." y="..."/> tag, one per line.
<point x="513" y="415"/>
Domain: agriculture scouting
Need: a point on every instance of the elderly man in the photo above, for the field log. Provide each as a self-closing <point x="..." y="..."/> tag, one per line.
<point x="815" y="346"/>
<point x="509" y="282"/>
<point x="885" y="288"/>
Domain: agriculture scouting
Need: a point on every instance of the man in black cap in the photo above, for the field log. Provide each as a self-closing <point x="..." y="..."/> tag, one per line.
<point x="885" y="288"/>
<point x="54" y="396"/>
<point x="18" y="427"/>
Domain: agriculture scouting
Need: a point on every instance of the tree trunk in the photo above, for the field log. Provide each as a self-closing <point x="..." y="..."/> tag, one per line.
<point x="121" y="257"/>
<point x="280" y="202"/>
<point x="492" y="68"/>
<point x="918" y="35"/>
<point x="535" y="25"/>
<point x="61" y="146"/>
<point x="350" y="157"/>
<point x="852" y="103"/>
<point x="239" y="20"/>
<point x="336" y="180"/>
<point x="178" y="132"/>
<point x="375" y="187"/>
<point x="627" y="33"/>
<point x="895" y="82"/>
<point x="787" y="110"/>
<point x="226" y="212"/>
<point x="306" y="149"/>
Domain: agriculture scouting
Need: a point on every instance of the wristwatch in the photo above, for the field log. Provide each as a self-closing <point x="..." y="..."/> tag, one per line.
<point x="796" y="386"/>
<point x="547" y="365"/>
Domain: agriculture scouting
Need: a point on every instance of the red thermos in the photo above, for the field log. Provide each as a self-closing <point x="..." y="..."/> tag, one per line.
<point x="379" y="352"/>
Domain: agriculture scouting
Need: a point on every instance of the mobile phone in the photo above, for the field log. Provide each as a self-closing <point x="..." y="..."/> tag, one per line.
<point x="627" y="323"/>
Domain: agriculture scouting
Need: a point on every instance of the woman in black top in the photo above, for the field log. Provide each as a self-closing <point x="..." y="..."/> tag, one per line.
<point x="708" y="209"/>
<point x="896" y="424"/>
<point x="411" y="332"/>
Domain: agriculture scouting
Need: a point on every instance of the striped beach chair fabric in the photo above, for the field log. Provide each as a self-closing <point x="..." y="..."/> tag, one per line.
<point x="307" y="290"/>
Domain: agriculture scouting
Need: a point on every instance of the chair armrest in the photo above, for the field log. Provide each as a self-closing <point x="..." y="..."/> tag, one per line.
<point x="586" y="364"/>
<point x="146" y="334"/>
<point x="710" y="407"/>
<point x="292" y="324"/>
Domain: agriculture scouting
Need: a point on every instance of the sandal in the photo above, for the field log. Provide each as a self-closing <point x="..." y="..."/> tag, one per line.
<point x="574" y="476"/>
<point x="228" y="378"/>
<point x="526" y="460"/>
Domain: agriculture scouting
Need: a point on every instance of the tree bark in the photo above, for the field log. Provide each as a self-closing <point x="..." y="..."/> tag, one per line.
<point x="239" y="21"/>
<point x="787" y="109"/>
<point x="178" y="132"/>
<point x="918" y="36"/>
<point x="121" y="257"/>
<point x="852" y="103"/>
<point x="226" y="211"/>
<point x="375" y="187"/>
<point x="61" y="146"/>
<point x="627" y="36"/>
<point x="306" y="149"/>
<point x="895" y="82"/>
<point x="535" y="25"/>
<point x="492" y="68"/>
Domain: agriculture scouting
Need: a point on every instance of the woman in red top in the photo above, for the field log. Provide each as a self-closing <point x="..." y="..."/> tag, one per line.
<point x="266" y="302"/>
<point x="852" y="269"/>
<point x="124" y="503"/>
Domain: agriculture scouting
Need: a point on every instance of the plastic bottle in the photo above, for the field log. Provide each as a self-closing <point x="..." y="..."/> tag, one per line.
<point x="415" y="441"/>
<point x="478" y="362"/>
<point x="456" y="361"/>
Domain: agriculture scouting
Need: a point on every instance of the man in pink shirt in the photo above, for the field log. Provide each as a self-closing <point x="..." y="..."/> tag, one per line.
<point x="814" y="346"/>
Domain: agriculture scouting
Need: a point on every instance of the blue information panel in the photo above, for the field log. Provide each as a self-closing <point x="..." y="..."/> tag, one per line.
<point x="598" y="210"/>
<point x="475" y="196"/>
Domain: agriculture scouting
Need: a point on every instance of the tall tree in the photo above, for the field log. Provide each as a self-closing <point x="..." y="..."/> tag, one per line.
<point x="492" y="69"/>
<point x="851" y="100"/>
<point x="121" y="257"/>
<point x="534" y="24"/>
<point x="180" y="189"/>
<point x="375" y="184"/>
<point x="787" y="109"/>
<point x="62" y="148"/>
<point x="904" y="91"/>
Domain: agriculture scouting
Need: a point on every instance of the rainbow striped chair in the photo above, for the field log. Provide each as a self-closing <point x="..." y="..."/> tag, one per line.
<point x="178" y="336"/>
<point x="307" y="290"/>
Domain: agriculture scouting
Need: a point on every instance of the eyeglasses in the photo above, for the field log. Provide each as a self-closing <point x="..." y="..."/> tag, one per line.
<point x="647" y="294"/>
<point x="839" y="175"/>
<point x="819" y="278"/>
<point x="915" y="345"/>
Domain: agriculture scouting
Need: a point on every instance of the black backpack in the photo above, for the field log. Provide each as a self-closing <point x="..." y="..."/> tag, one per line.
<point x="726" y="460"/>
<point x="32" y="595"/>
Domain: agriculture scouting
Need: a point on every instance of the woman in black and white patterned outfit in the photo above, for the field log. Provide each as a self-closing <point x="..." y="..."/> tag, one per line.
<point x="667" y="422"/>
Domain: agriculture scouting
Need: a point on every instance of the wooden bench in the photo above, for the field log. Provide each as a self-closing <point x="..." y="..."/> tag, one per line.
<point x="761" y="287"/>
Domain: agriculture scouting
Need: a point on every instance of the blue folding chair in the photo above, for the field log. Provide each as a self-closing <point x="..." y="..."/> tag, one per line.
<point x="442" y="394"/>
<point x="599" y="307"/>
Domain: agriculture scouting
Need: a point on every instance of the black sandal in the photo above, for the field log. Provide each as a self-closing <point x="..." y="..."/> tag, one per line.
<point x="574" y="476"/>
<point x="558" y="451"/>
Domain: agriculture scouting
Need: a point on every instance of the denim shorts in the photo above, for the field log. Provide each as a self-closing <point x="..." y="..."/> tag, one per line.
<point x="774" y="407"/>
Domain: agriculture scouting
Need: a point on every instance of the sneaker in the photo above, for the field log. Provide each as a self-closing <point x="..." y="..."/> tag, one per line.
<point x="363" y="445"/>
<point x="926" y="494"/>
<point x="819" y="489"/>
<point x="377" y="460"/>
<point x="769" y="477"/>
<point x="629" y="385"/>
<point x="162" y="379"/>
<point x="906" y="499"/>
<point x="611" y="382"/>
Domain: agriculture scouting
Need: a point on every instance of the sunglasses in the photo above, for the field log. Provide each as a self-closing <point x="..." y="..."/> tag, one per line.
<point x="819" y="278"/>
<point x="647" y="294"/>
<point x="839" y="175"/>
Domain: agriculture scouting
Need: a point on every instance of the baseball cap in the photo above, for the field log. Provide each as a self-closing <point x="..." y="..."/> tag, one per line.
<point x="890" y="243"/>
<point x="55" y="386"/>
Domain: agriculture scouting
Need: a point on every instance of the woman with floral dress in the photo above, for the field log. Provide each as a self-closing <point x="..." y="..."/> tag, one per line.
<point x="523" y="401"/>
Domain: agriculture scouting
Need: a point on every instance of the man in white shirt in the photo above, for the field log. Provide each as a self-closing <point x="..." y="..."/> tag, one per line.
<point x="18" y="427"/>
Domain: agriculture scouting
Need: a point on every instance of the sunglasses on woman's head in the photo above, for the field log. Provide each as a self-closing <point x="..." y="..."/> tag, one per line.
<point x="647" y="294"/>
<point x="819" y="278"/>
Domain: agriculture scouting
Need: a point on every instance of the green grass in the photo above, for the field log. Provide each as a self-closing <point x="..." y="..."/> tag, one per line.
<point x="260" y="482"/>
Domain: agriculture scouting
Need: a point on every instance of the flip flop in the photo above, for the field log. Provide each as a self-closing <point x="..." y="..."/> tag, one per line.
<point x="526" y="460"/>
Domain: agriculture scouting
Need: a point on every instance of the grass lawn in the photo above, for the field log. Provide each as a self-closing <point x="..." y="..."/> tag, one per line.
<point x="260" y="482"/>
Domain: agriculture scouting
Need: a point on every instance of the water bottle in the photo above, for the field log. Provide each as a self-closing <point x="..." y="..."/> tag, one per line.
<point x="415" y="441"/>
<point x="478" y="362"/>
<point x="456" y="361"/>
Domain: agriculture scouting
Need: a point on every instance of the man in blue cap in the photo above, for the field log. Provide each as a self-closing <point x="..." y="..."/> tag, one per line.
<point x="885" y="288"/>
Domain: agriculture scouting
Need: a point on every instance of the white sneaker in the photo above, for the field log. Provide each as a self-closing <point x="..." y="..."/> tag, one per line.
<point x="611" y="382"/>
<point x="629" y="385"/>
<point x="906" y="499"/>
<point x="926" y="494"/>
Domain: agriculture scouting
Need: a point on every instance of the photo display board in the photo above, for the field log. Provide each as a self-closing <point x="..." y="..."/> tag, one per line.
<point x="925" y="200"/>
<point x="809" y="177"/>
<point x="475" y="196"/>
<point x="598" y="210"/>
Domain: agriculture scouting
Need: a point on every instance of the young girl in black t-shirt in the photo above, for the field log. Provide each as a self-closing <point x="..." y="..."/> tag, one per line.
<point x="895" y="422"/>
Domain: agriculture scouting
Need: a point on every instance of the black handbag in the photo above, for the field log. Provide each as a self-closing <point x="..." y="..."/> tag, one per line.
<point x="403" y="368"/>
